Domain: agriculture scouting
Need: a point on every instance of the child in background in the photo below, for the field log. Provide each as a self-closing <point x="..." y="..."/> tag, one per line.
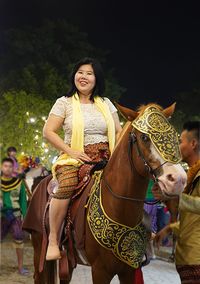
<point x="151" y="210"/>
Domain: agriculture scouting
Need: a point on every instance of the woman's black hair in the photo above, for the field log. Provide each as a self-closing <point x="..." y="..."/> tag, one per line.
<point x="99" y="88"/>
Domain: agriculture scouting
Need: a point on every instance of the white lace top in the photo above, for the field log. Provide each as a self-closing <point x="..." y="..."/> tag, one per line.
<point x="95" y="127"/>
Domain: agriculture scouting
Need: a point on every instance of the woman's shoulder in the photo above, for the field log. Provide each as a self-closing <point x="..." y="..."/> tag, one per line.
<point x="64" y="100"/>
<point x="61" y="106"/>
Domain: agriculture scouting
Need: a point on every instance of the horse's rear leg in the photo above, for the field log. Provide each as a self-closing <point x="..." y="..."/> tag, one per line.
<point x="100" y="275"/>
<point x="39" y="278"/>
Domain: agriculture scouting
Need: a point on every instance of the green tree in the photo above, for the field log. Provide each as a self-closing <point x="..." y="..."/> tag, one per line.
<point x="39" y="60"/>
<point x="35" y="65"/>
<point x="22" y="119"/>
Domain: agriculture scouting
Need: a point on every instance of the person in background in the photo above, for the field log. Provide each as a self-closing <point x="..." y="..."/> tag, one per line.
<point x="13" y="209"/>
<point x="151" y="209"/>
<point x="187" y="229"/>
<point x="11" y="152"/>
<point x="163" y="219"/>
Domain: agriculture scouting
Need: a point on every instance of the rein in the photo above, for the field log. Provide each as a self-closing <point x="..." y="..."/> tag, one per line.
<point x="120" y="196"/>
<point x="132" y="142"/>
<point x="152" y="172"/>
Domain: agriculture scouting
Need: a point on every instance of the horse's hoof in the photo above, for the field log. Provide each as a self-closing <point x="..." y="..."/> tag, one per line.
<point x="53" y="253"/>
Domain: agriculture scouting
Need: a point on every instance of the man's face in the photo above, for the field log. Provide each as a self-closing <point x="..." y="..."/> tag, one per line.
<point x="186" y="145"/>
<point x="7" y="169"/>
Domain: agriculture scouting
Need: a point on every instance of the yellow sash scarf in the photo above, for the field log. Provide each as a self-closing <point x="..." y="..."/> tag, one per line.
<point x="77" y="140"/>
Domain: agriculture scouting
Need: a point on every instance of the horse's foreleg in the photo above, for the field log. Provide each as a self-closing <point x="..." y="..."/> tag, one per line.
<point x="129" y="277"/>
<point x="100" y="275"/>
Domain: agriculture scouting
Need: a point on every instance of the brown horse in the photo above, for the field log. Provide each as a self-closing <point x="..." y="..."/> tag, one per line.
<point x="123" y="189"/>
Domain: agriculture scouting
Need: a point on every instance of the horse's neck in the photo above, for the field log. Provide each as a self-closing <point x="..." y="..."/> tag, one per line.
<point x="123" y="181"/>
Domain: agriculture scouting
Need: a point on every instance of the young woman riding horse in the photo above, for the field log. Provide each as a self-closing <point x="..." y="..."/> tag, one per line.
<point x="90" y="123"/>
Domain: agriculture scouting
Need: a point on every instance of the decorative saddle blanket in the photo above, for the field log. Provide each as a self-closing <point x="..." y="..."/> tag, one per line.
<point x="128" y="244"/>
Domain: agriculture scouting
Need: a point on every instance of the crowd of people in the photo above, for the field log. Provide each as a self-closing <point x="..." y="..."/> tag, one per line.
<point x="85" y="145"/>
<point x="14" y="198"/>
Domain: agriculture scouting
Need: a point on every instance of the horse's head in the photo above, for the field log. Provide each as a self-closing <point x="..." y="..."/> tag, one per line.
<point x="157" y="144"/>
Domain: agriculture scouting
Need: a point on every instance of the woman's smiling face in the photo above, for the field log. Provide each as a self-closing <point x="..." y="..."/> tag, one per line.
<point x="85" y="79"/>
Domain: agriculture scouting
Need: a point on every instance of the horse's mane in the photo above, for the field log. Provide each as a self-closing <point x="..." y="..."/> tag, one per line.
<point x="142" y="108"/>
<point x="125" y="127"/>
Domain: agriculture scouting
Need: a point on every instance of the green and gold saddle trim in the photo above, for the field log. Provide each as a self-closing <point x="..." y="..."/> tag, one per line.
<point x="128" y="244"/>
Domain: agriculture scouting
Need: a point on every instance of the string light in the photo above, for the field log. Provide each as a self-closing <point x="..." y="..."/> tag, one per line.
<point x="32" y="120"/>
<point x="54" y="159"/>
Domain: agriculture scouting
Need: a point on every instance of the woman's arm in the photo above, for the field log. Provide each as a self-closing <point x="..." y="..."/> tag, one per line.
<point x="53" y="124"/>
<point x="115" y="116"/>
<point x="118" y="127"/>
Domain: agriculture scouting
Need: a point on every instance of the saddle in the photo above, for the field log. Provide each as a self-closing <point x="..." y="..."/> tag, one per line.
<point x="72" y="233"/>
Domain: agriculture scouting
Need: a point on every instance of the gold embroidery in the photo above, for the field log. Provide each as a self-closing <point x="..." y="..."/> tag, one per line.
<point x="128" y="244"/>
<point x="161" y="133"/>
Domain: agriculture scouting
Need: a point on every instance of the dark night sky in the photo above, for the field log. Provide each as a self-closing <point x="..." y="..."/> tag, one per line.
<point x="154" y="48"/>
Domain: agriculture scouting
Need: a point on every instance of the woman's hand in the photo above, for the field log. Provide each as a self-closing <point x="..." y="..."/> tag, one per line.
<point x="160" y="236"/>
<point x="79" y="155"/>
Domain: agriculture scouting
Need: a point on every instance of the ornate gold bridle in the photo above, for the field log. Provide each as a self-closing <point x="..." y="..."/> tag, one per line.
<point x="161" y="133"/>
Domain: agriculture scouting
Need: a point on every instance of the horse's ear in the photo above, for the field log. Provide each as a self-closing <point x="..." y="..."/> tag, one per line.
<point x="128" y="113"/>
<point x="169" y="110"/>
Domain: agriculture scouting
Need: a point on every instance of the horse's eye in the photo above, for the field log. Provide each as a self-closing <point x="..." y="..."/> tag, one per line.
<point x="144" y="138"/>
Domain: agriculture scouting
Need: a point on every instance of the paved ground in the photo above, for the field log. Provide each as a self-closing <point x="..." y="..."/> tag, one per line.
<point x="157" y="272"/>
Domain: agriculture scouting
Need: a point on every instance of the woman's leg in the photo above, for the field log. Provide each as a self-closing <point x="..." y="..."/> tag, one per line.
<point x="67" y="177"/>
<point x="57" y="212"/>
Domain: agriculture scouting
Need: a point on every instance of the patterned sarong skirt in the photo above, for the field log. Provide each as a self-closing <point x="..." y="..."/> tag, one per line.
<point x="67" y="176"/>
<point x="189" y="274"/>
